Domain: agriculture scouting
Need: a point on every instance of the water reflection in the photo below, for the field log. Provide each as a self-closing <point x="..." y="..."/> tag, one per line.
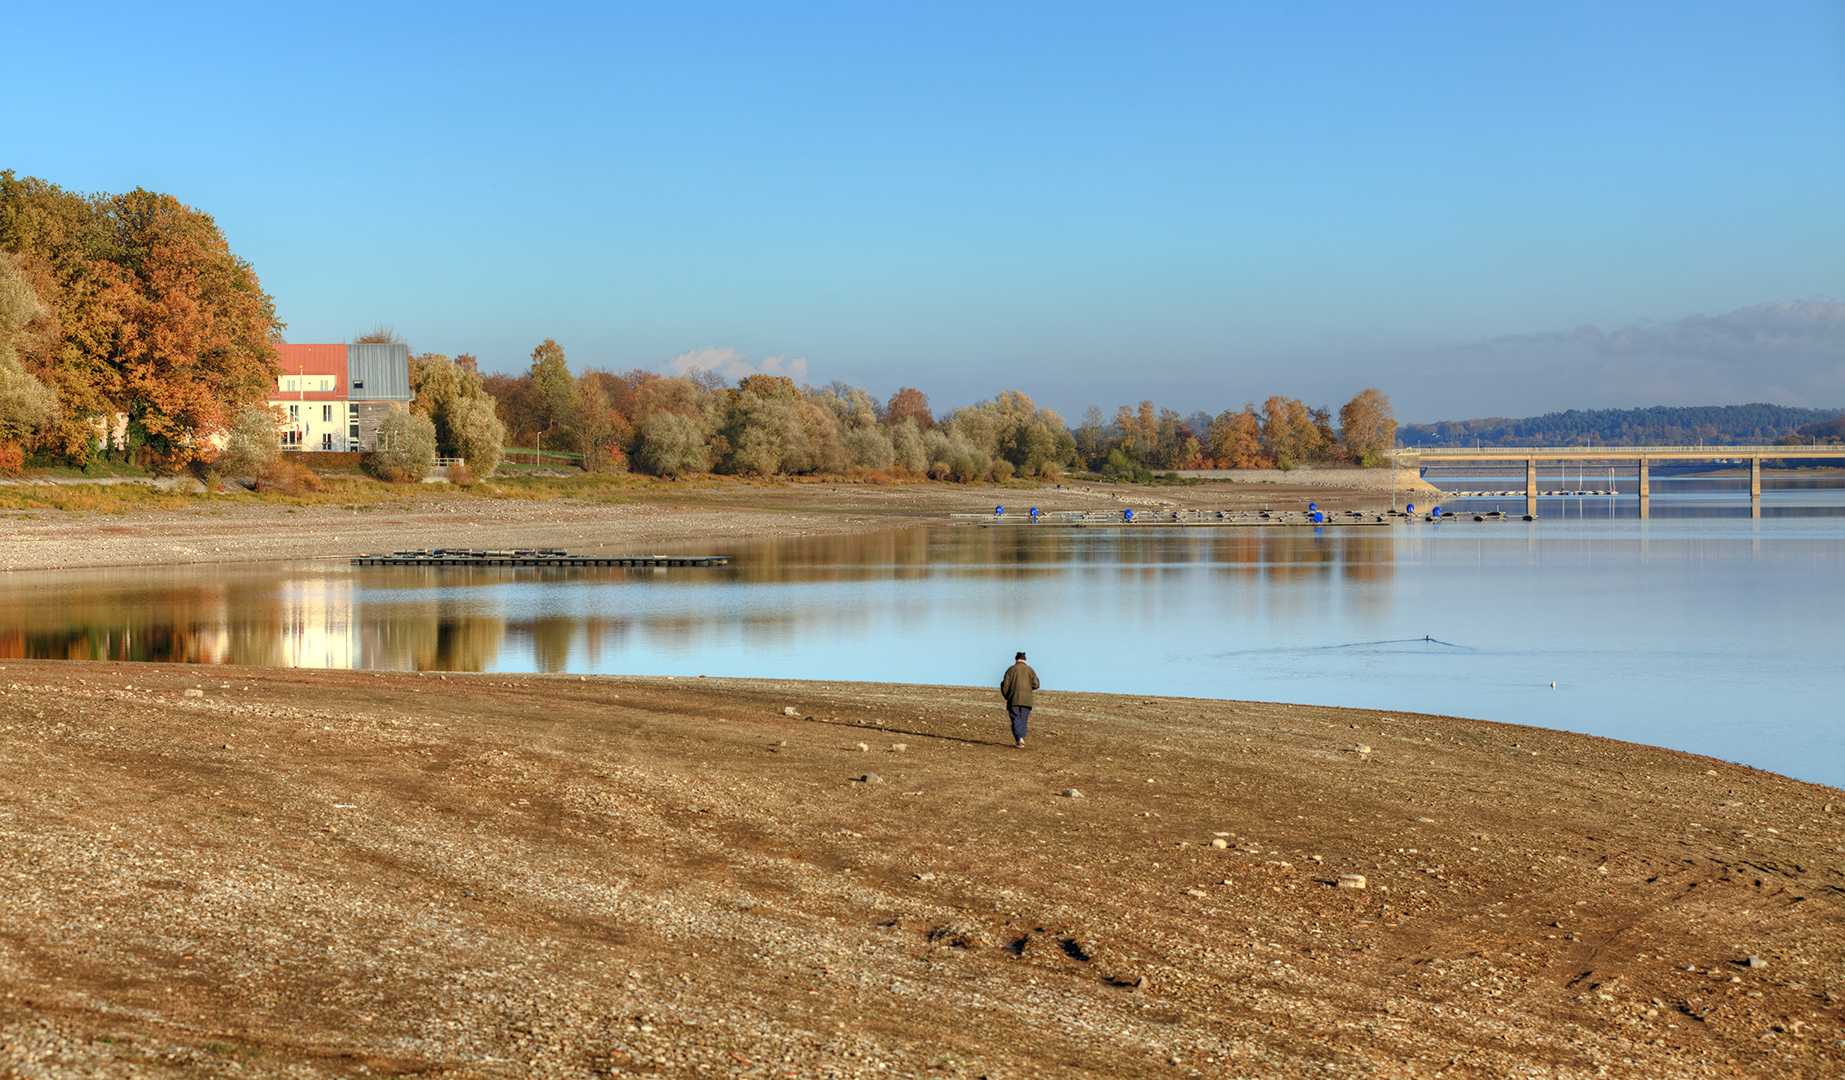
<point x="1707" y="635"/>
<point x="330" y="615"/>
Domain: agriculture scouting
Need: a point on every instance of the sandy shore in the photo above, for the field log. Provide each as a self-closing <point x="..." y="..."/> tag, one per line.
<point x="634" y="519"/>
<point x="218" y="871"/>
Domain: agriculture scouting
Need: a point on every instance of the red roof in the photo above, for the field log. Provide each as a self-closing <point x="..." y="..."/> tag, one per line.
<point x="298" y="360"/>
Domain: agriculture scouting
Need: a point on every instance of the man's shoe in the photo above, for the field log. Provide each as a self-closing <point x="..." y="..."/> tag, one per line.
<point x="1020" y="745"/>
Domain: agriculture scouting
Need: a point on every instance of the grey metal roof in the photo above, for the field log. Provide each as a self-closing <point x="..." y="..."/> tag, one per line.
<point x="378" y="372"/>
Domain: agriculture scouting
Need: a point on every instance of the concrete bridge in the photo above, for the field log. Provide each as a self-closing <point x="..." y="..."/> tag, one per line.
<point x="1644" y="456"/>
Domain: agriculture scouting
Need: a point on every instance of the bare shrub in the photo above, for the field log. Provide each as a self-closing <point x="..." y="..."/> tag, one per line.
<point x="12" y="458"/>
<point x="459" y="475"/>
<point x="873" y="476"/>
<point x="284" y="476"/>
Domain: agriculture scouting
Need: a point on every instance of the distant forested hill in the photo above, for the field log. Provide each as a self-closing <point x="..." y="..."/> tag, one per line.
<point x="1658" y="426"/>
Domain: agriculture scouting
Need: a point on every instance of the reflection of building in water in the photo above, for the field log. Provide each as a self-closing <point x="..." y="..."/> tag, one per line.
<point x="317" y="625"/>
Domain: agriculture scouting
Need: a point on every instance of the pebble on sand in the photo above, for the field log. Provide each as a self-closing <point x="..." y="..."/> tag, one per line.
<point x="1220" y="844"/>
<point x="871" y="778"/>
<point x="1072" y="793"/>
<point x="790" y="710"/>
<point x="1756" y="962"/>
<point x="1351" y="881"/>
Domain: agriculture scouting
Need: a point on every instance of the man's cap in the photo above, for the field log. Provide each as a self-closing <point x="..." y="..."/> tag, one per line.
<point x="1018" y="656"/>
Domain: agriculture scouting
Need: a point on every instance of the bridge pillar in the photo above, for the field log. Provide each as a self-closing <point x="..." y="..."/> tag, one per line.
<point x="1531" y="487"/>
<point x="1755" y="478"/>
<point x="1646" y="482"/>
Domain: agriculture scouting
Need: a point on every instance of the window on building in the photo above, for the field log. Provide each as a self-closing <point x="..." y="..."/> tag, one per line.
<point x="326" y="414"/>
<point x="326" y="441"/>
<point x="294" y="412"/>
<point x="288" y="384"/>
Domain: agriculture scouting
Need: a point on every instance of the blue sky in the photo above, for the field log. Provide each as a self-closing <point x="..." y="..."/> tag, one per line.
<point x="1198" y="203"/>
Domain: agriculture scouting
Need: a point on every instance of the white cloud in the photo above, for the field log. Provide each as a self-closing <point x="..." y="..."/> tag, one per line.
<point x="720" y="359"/>
<point x="795" y="369"/>
<point x="733" y="364"/>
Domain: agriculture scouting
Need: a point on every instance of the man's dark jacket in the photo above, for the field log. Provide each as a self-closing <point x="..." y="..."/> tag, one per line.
<point x="1018" y="684"/>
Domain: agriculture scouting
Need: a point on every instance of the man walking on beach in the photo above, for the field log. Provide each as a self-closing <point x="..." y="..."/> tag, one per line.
<point x="1016" y="688"/>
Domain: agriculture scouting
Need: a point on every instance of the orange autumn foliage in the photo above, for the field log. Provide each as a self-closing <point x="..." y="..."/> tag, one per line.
<point x="156" y="319"/>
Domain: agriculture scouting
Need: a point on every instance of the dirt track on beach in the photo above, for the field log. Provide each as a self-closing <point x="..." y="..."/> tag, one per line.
<point x="223" y="871"/>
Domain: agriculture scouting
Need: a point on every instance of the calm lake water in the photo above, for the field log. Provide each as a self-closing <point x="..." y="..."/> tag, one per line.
<point x="1702" y="630"/>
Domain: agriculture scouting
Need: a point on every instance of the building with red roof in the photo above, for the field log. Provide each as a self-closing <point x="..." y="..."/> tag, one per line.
<point x="333" y="397"/>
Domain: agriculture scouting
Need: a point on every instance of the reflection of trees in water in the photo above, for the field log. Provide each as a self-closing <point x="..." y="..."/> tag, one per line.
<point x="600" y="634"/>
<point x="421" y="619"/>
<point x="551" y="642"/>
<point x="116" y="616"/>
<point x="465" y="643"/>
<point x="835" y="558"/>
<point x="1000" y="551"/>
<point x="1369" y="555"/>
<point x="149" y="643"/>
<point x="421" y="637"/>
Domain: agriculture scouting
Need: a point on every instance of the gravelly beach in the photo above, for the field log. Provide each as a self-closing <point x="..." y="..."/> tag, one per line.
<point x="240" y="872"/>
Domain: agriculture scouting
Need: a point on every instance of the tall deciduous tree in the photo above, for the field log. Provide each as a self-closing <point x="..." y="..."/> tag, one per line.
<point x="26" y="404"/>
<point x="1367" y="426"/>
<point x="464" y="416"/>
<point x="911" y="404"/>
<point x="478" y="435"/>
<point x="197" y="346"/>
<point x="68" y="247"/>
<point x="554" y="390"/>
<point x="1290" y="433"/>
<point x="672" y="444"/>
<point x="1234" y="440"/>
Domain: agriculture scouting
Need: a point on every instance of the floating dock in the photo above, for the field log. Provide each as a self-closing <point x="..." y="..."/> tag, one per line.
<point x="533" y="557"/>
